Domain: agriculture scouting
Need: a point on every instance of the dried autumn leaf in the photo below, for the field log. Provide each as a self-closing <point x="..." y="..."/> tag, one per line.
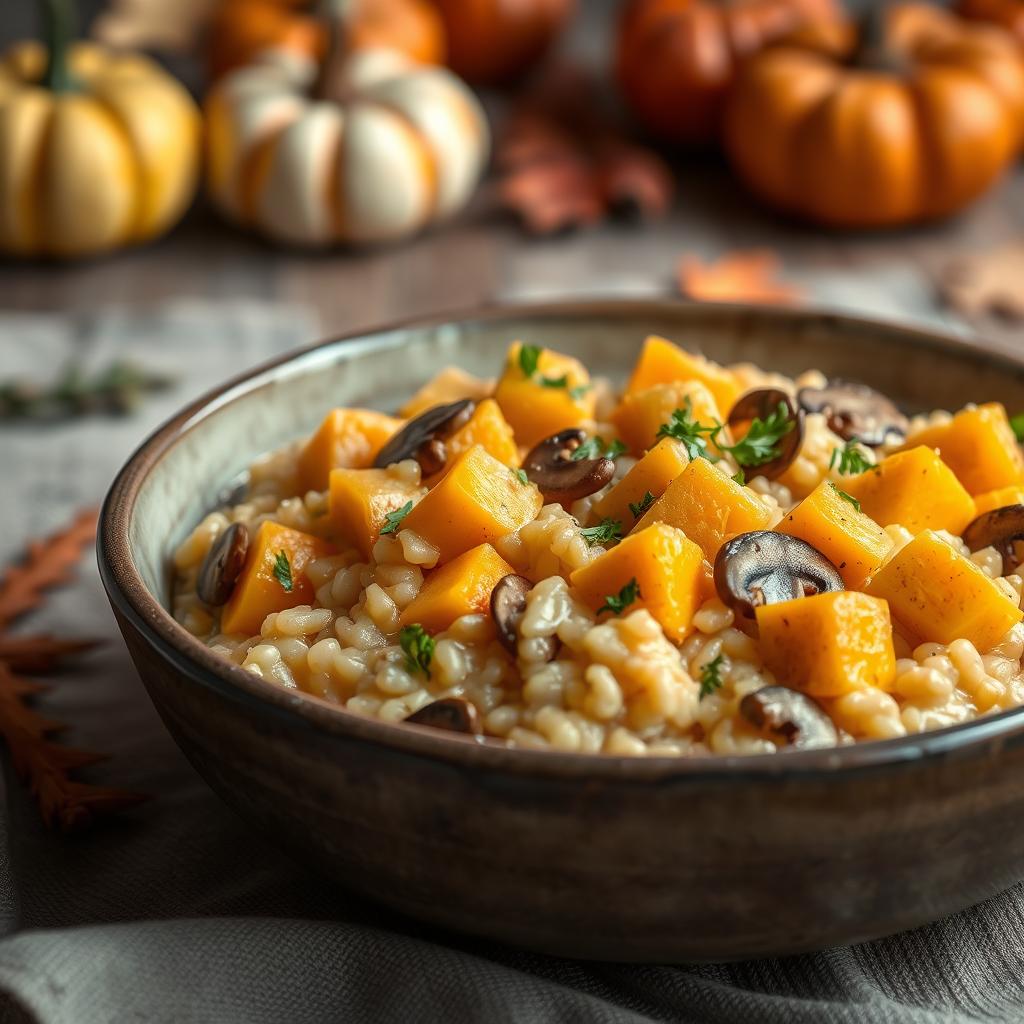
<point x="154" y="24"/>
<point x="986" y="282"/>
<point x="39" y="653"/>
<point x="750" y="276"/>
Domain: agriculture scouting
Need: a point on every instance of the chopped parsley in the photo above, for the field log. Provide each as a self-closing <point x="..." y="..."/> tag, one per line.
<point x="846" y="497"/>
<point x="529" y="358"/>
<point x="579" y="391"/>
<point x="642" y="505"/>
<point x="761" y="442"/>
<point x="594" y="448"/>
<point x="1017" y="426"/>
<point x="283" y="572"/>
<point x="618" y="603"/>
<point x="711" y="676"/>
<point x="418" y="645"/>
<point x="529" y="363"/>
<point x="693" y="435"/>
<point x="740" y="477"/>
<point x="606" y="532"/>
<point x="850" y="458"/>
<point x="522" y="477"/>
<point x="394" y="519"/>
<point x="555" y="382"/>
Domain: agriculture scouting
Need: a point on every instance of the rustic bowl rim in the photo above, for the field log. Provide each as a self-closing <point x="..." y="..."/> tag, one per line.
<point x="196" y="663"/>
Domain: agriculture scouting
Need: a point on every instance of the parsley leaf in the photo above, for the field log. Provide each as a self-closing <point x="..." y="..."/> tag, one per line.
<point x="554" y="382"/>
<point x="1017" y="426"/>
<point x="579" y="391"/>
<point x="849" y="458"/>
<point x="846" y="497"/>
<point x="418" y="645"/>
<point x="694" y="436"/>
<point x="522" y="477"/>
<point x="642" y="505"/>
<point x="529" y="357"/>
<point x="711" y="676"/>
<point x="740" y="477"/>
<point x="606" y="532"/>
<point x="761" y="443"/>
<point x="283" y="572"/>
<point x="395" y="518"/>
<point x="618" y="603"/>
<point x="594" y="448"/>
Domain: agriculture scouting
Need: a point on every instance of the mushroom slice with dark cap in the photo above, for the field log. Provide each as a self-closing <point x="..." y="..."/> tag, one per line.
<point x="422" y="438"/>
<point x="765" y="567"/>
<point x="508" y="604"/>
<point x="452" y="714"/>
<point x="559" y="476"/>
<point x="223" y="565"/>
<point x="760" y="404"/>
<point x="790" y="717"/>
<point x="855" y="411"/>
<point x="999" y="528"/>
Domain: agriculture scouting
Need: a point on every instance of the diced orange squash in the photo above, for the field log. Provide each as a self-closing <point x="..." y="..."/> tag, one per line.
<point x="979" y="446"/>
<point x="936" y="594"/>
<point x="462" y="587"/>
<point x="999" y="498"/>
<point x="347" y="439"/>
<point x="477" y="501"/>
<point x="487" y="427"/>
<point x="914" y="488"/>
<point x="449" y="385"/>
<point x="851" y="540"/>
<point x="360" y="500"/>
<point x="828" y="644"/>
<point x="661" y="362"/>
<point x="708" y="507"/>
<point x="650" y="475"/>
<point x="536" y="411"/>
<point x="641" y="413"/>
<point x="667" y="567"/>
<point x="258" y="591"/>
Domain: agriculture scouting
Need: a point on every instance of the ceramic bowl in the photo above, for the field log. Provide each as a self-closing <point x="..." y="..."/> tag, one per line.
<point x="659" y="859"/>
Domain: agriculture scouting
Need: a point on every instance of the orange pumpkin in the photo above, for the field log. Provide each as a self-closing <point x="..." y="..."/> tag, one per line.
<point x="494" y="40"/>
<point x="909" y="121"/>
<point x="1008" y="14"/>
<point x="240" y="29"/>
<point x="676" y="58"/>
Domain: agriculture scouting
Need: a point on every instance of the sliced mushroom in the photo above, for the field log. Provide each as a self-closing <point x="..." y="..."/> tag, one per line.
<point x="223" y="565"/>
<point x="453" y="714"/>
<point x="761" y="404"/>
<point x="854" y="410"/>
<point x="999" y="528"/>
<point x="416" y="439"/>
<point x="560" y="477"/>
<point x="790" y="717"/>
<point x="508" y="604"/>
<point x="765" y="567"/>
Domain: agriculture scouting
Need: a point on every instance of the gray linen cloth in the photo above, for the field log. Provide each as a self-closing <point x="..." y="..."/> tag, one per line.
<point x="178" y="912"/>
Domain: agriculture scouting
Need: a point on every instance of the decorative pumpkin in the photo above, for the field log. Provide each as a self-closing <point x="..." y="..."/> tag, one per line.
<point x="97" y="149"/>
<point x="1008" y="14"/>
<point x="373" y="149"/>
<point x="910" y="122"/>
<point x="494" y="40"/>
<point x="241" y="29"/>
<point x="676" y="58"/>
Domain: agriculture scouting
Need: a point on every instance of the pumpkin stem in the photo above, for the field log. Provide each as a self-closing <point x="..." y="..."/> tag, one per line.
<point x="334" y="14"/>
<point x="873" y="52"/>
<point x="59" y="31"/>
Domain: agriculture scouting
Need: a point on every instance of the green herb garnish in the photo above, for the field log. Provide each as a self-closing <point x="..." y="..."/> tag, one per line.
<point x="606" y="532"/>
<point x="740" y="477"/>
<point x="711" y="676"/>
<point x="761" y="443"/>
<point x="579" y="391"/>
<point x="693" y="435"/>
<point x="554" y="382"/>
<point x="395" y="518"/>
<point x="283" y="572"/>
<point x="850" y="458"/>
<point x="618" y="603"/>
<point x="1017" y="426"/>
<point x="642" y="505"/>
<point x="522" y="477"/>
<point x="529" y="357"/>
<point x="846" y="497"/>
<point x="418" y="645"/>
<point x="594" y="448"/>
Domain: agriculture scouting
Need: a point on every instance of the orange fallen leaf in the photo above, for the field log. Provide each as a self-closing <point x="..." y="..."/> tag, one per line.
<point x="748" y="276"/>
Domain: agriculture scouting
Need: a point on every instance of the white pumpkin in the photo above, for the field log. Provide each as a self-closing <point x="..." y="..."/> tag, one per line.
<point x="397" y="146"/>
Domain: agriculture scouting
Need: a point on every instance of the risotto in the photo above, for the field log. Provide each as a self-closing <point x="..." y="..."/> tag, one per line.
<point x="711" y="560"/>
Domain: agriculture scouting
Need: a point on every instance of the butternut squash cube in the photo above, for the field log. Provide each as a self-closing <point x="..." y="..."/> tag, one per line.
<point x="462" y="587"/>
<point x="346" y="439"/>
<point x="708" y="506"/>
<point x="360" y="500"/>
<point x="914" y="488"/>
<point x="651" y="475"/>
<point x="537" y="410"/>
<point x="640" y="414"/>
<point x="259" y="590"/>
<point x="936" y="594"/>
<point x="477" y="501"/>
<point x="999" y="498"/>
<point x="979" y="446"/>
<point x="449" y="385"/>
<point x="487" y="427"/>
<point x="828" y="644"/>
<point x="661" y="362"/>
<point x="851" y="540"/>
<point x="667" y="567"/>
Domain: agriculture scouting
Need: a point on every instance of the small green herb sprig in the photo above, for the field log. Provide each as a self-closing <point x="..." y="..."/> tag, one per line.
<point x="618" y="603"/>
<point x="418" y="646"/>
<point x="529" y="363"/>
<point x="394" y="519"/>
<point x="711" y="676"/>
<point x="850" y="459"/>
<point x="1017" y="426"/>
<point x="846" y="497"/>
<point x="692" y="435"/>
<point x="640" y="507"/>
<point x="595" y="448"/>
<point x="608" y="531"/>
<point x="283" y="572"/>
